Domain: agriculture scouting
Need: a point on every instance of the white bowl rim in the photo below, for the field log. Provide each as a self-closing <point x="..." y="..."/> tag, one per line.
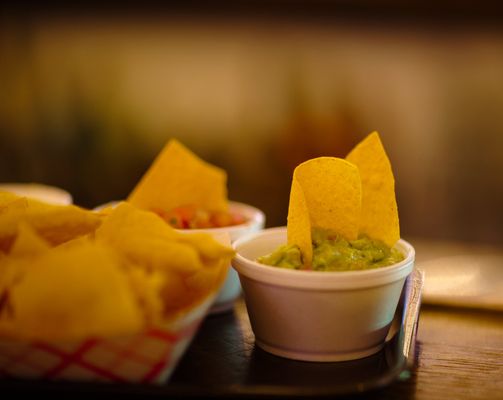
<point x="309" y="279"/>
<point x="39" y="191"/>
<point x="256" y="217"/>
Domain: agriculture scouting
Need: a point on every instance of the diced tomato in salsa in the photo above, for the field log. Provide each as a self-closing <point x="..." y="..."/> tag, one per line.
<point x="192" y="217"/>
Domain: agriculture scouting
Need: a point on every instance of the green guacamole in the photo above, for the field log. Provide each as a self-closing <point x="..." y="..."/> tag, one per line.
<point x="333" y="253"/>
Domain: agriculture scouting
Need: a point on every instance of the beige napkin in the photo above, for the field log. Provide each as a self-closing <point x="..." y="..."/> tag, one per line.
<point x="461" y="274"/>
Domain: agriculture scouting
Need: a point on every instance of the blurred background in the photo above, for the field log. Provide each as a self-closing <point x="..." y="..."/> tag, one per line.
<point x="90" y="94"/>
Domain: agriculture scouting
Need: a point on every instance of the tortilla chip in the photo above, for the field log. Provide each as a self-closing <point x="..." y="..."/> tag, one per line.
<point x="146" y="240"/>
<point x="7" y="198"/>
<point x="126" y="221"/>
<point x="379" y="218"/>
<point x="332" y="190"/>
<point x="191" y="264"/>
<point x="147" y="286"/>
<point x="299" y="223"/>
<point x="325" y="193"/>
<point x="208" y="249"/>
<point x="25" y="248"/>
<point x="75" y="293"/>
<point x="54" y="223"/>
<point x="178" y="177"/>
<point x="27" y="242"/>
<point x="180" y="294"/>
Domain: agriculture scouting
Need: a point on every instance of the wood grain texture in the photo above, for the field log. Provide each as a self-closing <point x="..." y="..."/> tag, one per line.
<point x="459" y="356"/>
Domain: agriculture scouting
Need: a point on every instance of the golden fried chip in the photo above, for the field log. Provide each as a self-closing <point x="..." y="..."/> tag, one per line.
<point x="208" y="279"/>
<point x="75" y="293"/>
<point x="126" y="220"/>
<point x="191" y="264"/>
<point x="7" y="198"/>
<point x="26" y="247"/>
<point x="56" y="224"/>
<point x="209" y="248"/>
<point x="181" y="294"/>
<point x="162" y="255"/>
<point x="299" y="223"/>
<point x="215" y="253"/>
<point x="147" y="286"/>
<point x="146" y="239"/>
<point x="332" y="191"/>
<point x="10" y="217"/>
<point x="178" y="177"/>
<point x="28" y="242"/>
<point x="379" y="219"/>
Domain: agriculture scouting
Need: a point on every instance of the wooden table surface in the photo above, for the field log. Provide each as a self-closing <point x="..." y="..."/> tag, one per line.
<point x="459" y="350"/>
<point x="459" y="356"/>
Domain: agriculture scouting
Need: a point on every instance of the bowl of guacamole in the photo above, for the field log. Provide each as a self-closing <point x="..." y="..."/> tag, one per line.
<point x="338" y="309"/>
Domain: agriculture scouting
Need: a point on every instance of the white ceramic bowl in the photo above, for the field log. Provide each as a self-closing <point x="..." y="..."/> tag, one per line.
<point x="49" y="194"/>
<point x="317" y="315"/>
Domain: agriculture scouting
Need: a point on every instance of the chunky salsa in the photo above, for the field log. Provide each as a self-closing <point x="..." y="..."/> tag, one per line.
<point x="333" y="253"/>
<point x="193" y="217"/>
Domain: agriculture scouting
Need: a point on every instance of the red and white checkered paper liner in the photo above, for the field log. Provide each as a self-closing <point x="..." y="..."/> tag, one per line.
<point x="148" y="357"/>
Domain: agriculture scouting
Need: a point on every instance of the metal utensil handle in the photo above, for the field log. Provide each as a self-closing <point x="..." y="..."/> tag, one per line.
<point x="411" y="318"/>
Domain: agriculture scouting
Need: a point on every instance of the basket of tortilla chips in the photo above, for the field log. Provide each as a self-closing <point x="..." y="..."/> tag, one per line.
<point x="113" y="296"/>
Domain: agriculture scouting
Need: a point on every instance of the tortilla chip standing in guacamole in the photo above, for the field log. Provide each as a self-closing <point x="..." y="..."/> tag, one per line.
<point x="379" y="214"/>
<point x="331" y="192"/>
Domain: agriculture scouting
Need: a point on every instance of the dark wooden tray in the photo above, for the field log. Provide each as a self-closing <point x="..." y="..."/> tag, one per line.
<point x="223" y="361"/>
